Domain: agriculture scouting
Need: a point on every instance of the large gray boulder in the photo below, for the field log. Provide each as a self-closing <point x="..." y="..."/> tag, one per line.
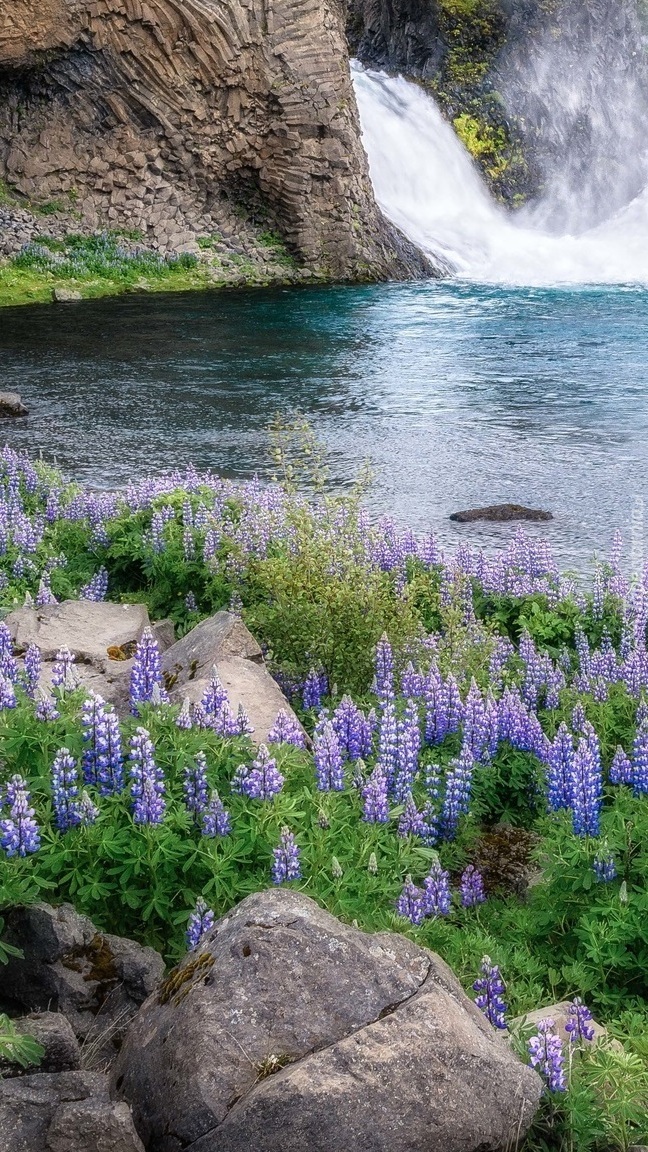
<point x="96" y="980"/>
<point x="87" y="628"/>
<point x="64" y="1112"/>
<point x="287" y="1030"/>
<point x="223" y="642"/>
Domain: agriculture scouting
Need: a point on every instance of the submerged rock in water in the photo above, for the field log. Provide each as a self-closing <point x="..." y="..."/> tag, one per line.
<point x="501" y="513"/>
<point x="287" y="1029"/>
<point x="11" y="404"/>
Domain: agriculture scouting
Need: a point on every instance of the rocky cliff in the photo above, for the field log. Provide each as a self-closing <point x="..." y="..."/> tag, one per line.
<point x="178" y="118"/>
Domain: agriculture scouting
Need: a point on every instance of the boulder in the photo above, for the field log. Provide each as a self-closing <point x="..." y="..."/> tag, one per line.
<point x="11" y="404"/>
<point x="164" y="634"/>
<point x="288" y="1030"/>
<point x="65" y="295"/>
<point x="501" y="513"/>
<point x="64" y="1112"/>
<point x="87" y="628"/>
<point x="54" y="1032"/>
<point x="223" y="641"/>
<point x="97" y="981"/>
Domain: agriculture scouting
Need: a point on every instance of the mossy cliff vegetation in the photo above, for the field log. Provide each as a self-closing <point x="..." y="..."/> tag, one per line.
<point x="531" y="86"/>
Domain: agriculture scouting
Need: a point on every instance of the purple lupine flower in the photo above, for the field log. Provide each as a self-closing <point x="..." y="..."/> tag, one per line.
<point x="408" y="744"/>
<point x="491" y="713"/>
<point x="411" y="822"/>
<point x="456" y="801"/>
<point x="8" y="663"/>
<point x="65" y="790"/>
<point x="640" y="760"/>
<point x="102" y="759"/>
<point x="384" y="670"/>
<point x="411" y="902"/>
<point x="435" y="695"/>
<point x="190" y="602"/>
<point x="286" y="730"/>
<point x="19" y="832"/>
<point x="44" y="594"/>
<point x="97" y="588"/>
<point x="146" y="674"/>
<point x="64" y="674"/>
<point x="579" y="719"/>
<point x="286" y="863"/>
<point x="46" y="709"/>
<point x="183" y="719"/>
<point x="147" y="787"/>
<point x="194" y="786"/>
<point x="429" y="824"/>
<point x="88" y="811"/>
<point x="437" y="900"/>
<point x="412" y="682"/>
<point x="454" y="705"/>
<point x="349" y="723"/>
<point x="387" y="739"/>
<point x="560" y="766"/>
<point x="7" y="693"/>
<point x="472" y="887"/>
<point x="242" y="723"/>
<point x="579" y="1026"/>
<point x="604" y="866"/>
<point x="201" y="921"/>
<point x="329" y="765"/>
<point x="621" y="771"/>
<point x="586" y="790"/>
<point x="314" y="689"/>
<point x="216" y="819"/>
<point x="546" y="1054"/>
<point x="474" y="725"/>
<point x="374" y="797"/>
<point x="490" y="988"/>
<point x="31" y="670"/>
<point x="215" y="696"/>
<point x="260" y="780"/>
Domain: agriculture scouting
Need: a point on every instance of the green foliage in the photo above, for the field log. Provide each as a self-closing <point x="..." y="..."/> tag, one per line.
<point x="15" y="1048"/>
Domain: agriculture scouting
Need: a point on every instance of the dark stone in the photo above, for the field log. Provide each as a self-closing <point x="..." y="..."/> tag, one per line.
<point x="501" y="514"/>
<point x="289" y="1030"/>
<point x="97" y="981"/>
<point x="64" y="1112"/>
<point x="55" y="1033"/>
<point x="11" y="404"/>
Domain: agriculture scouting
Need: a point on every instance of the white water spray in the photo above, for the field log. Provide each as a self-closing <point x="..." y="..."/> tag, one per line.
<point x="426" y="183"/>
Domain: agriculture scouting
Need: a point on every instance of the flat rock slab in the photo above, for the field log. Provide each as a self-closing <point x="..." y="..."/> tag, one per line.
<point x="289" y="1030"/>
<point x="88" y="629"/>
<point x="64" y="1112"/>
<point x="501" y="514"/>
<point x="11" y="404"/>
<point x="223" y="642"/>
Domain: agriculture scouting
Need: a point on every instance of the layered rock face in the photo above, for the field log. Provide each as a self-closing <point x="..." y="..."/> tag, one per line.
<point x="179" y="116"/>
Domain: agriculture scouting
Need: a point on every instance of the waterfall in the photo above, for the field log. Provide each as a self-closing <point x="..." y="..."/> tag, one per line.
<point x="427" y="184"/>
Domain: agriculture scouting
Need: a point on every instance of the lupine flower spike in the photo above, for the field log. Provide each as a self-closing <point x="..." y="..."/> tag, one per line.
<point x="201" y="921"/>
<point x="490" y="988"/>
<point x="286" y="864"/>
<point x="546" y="1054"/>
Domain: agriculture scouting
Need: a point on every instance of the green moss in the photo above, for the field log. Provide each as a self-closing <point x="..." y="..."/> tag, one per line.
<point x="484" y="142"/>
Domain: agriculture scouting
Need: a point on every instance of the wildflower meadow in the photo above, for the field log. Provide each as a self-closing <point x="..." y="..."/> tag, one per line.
<point x="469" y="762"/>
